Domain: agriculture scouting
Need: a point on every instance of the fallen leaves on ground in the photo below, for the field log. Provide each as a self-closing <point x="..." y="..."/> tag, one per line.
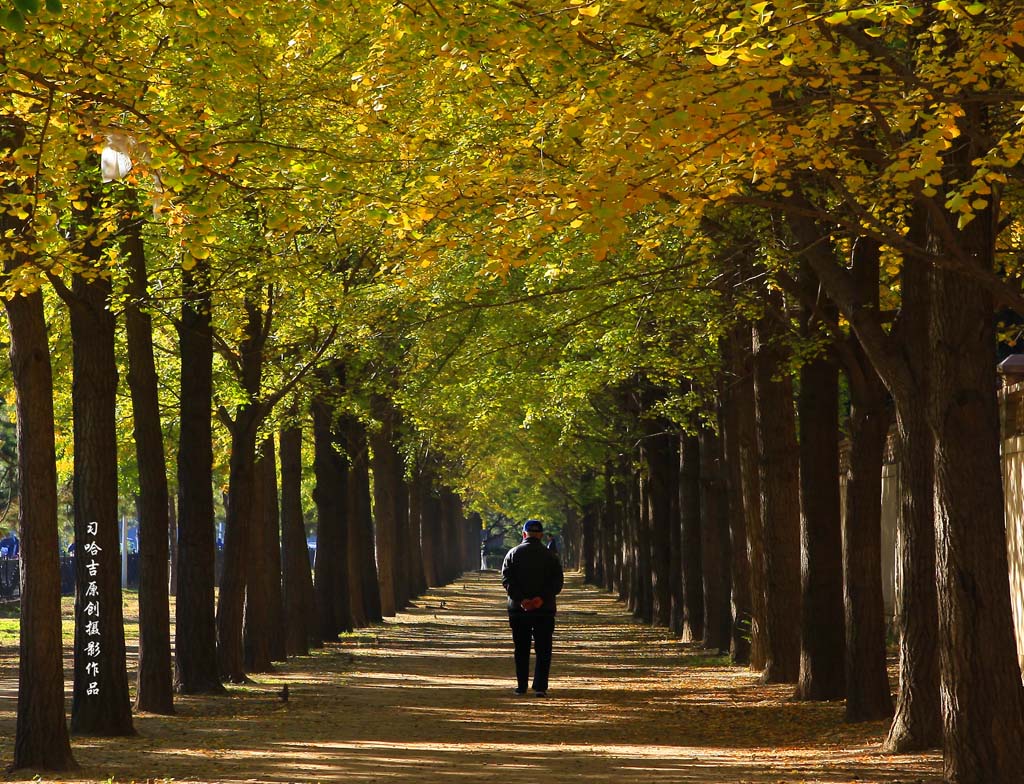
<point x="427" y="697"/>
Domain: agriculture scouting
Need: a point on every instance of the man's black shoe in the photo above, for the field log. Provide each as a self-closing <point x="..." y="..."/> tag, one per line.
<point x="540" y="693"/>
<point x="519" y="692"/>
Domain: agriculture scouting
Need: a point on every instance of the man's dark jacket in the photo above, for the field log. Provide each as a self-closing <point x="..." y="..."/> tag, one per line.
<point x="530" y="570"/>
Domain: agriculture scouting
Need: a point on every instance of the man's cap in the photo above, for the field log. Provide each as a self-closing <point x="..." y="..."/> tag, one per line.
<point x="532" y="526"/>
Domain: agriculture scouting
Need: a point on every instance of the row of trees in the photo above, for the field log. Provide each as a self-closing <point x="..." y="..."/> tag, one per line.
<point x="133" y="249"/>
<point x="822" y="186"/>
<point x="585" y="249"/>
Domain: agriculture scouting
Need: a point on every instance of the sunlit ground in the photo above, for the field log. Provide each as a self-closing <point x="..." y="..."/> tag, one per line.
<point x="428" y="697"/>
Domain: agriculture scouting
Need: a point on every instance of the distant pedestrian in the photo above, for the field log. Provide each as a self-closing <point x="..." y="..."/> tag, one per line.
<point x="553" y="543"/>
<point x="10" y="546"/>
<point x="532" y="576"/>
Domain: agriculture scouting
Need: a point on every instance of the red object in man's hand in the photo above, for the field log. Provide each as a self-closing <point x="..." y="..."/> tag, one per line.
<point x="532" y="604"/>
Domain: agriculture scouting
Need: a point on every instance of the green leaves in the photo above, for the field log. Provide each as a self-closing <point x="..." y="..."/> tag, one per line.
<point x="15" y="18"/>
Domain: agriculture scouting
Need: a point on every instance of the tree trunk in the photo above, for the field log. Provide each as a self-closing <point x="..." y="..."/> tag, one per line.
<point x="917" y="723"/>
<point x="780" y="504"/>
<point x="474" y="524"/>
<point x="570" y="537"/>
<point x="645" y="589"/>
<point x="442" y="540"/>
<point x="601" y="513"/>
<point x="387" y="488"/>
<point x="452" y="518"/>
<point x="662" y="469"/>
<point x="361" y="552"/>
<point x="601" y="548"/>
<point x="262" y="570"/>
<point x="101" y="704"/>
<point x="299" y="603"/>
<point x="982" y="694"/>
<point x="240" y="521"/>
<point x="172" y="547"/>
<point x="331" y="577"/>
<point x="417" y="578"/>
<point x="430" y="525"/>
<point x="238" y="527"/>
<point x="622" y="510"/>
<point x="822" y="627"/>
<point x="690" y="522"/>
<point x="901" y="358"/>
<point x="196" y="670"/>
<point x="272" y="523"/>
<point x="588" y="550"/>
<point x="41" y="736"/>
<point x="867" y="680"/>
<point x="729" y="426"/>
<point x="360" y="538"/>
<point x="458" y="524"/>
<point x="620" y="513"/>
<point x="675" y="572"/>
<point x="155" y="691"/>
<point x="750" y="480"/>
<point x="715" y="558"/>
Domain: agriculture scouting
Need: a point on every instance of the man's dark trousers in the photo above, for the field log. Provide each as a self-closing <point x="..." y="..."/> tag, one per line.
<point x="540" y="627"/>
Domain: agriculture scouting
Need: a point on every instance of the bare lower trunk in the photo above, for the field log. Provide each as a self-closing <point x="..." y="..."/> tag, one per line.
<point x="264" y="642"/>
<point x="675" y="544"/>
<point x="714" y="545"/>
<point x="622" y="511"/>
<point x="867" y="681"/>
<point x="361" y="554"/>
<point x="750" y="479"/>
<point x="299" y="603"/>
<point x="272" y="524"/>
<point x="729" y="425"/>
<point x="387" y="487"/>
<point x="690" y="543"/>
<point x="237" y="530"/>
<point x="644" y="597"/>
<point x="101" y="704"/>
<point x="430" y="525"/>
<point x="417" y="577"/>
<point x="172" y="543"/>
<point x="588" y="522"/>
<point x="41" y="736"/>
<point x="982" y="694"/>
<point x="822" y="636"/>
<point x="195" y="645"/>
<point x="780" y="505"/>
<point x="331" y="576"/>
<point x="917" y="722"/>
<point x="155" y="691"/>
<point x="662" y="462"/>
<point x="750" y="460"/>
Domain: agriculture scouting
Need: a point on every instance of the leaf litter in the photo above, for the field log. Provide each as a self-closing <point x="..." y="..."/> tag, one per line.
<point x="427" y="697"/>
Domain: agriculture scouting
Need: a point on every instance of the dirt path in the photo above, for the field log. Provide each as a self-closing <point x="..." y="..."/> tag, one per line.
<point x="428" y="698"/>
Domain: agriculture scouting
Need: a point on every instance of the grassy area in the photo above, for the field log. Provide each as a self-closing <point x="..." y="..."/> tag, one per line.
<point x="9" y="631"/>
<point x="10" y="615"/>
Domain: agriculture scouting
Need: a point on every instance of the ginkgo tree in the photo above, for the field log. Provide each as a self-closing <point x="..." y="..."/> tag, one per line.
<point x="512" y="213"/>
<point x="848" y="115"/>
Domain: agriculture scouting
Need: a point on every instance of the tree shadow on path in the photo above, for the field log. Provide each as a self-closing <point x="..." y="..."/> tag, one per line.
<point x="428" y="697"/>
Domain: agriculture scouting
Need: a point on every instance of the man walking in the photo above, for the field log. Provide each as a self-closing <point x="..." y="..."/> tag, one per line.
<point x="532" y="576"/>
